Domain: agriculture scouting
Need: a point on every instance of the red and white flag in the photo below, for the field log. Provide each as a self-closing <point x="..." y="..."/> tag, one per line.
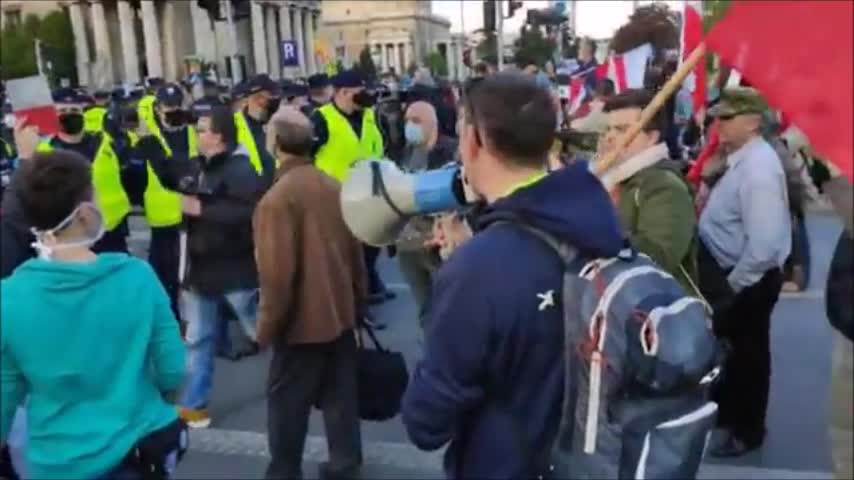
<point x="692" y="36"/>
<point x="799" y="56"/>
<point x="31" y="100"/>
<point x="626" y="70"/>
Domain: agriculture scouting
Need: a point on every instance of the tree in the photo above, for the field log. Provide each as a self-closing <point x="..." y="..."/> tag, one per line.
<point x="54" y="31"/>
<point x="655" y="24"/>
<point x="533" y="47"/>
<point x="18" y="56"/>
<point x="437" y="65"/>
<point x="366" y="66"/>
<point x="713" y="11"/>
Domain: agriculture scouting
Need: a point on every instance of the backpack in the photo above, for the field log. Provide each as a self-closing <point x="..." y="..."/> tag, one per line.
<point x="641" y="358"/>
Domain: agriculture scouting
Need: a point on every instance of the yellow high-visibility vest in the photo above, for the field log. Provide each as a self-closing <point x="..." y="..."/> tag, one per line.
<point x="162" y="206"/>
<point x="343" y="149"/>
<point x="145" y="108"/>
<point x="93" y="119"/>
<point x="110" y="195"/>
<point x="245" y="138"/>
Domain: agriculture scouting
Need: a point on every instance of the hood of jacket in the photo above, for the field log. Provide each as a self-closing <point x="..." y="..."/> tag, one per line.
<point x="65" y="277"/>
<point x="629" y="167"/>
<point x="570" y="204"/>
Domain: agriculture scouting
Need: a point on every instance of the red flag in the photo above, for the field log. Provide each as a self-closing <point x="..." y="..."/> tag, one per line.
<point x="695" y="175"/>
<point x="30" y="99"/>
<point x="799" y="55"/>
<point x="692" y="35"/>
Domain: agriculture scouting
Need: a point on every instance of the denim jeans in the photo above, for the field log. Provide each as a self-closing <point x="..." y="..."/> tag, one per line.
<point x="205" y="319"/>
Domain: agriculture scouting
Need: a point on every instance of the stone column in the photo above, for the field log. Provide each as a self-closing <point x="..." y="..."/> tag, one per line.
<point x="102" y="73"/>
<point x="407" y="53"/>
<point x="259" y="44"/>
<point x="285" y="33"/>
<point x="449" y="57"/>
<point x="170" y="60"/>
<point x="81" y="44"/>
<point x="151" y="34"/>
<point x="298" y="37"/>
<point x="308" y="31"/>
<point x="129" y="49"/>
<point x="204" y="37"/>
<point x="275" y="65"/>
<point x="384" y="57"/>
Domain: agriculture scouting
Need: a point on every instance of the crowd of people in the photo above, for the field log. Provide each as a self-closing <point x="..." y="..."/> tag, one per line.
<point x="107" y="359"/>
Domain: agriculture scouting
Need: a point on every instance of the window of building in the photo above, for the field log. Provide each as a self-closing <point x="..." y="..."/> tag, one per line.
<point x="12" y="17"/>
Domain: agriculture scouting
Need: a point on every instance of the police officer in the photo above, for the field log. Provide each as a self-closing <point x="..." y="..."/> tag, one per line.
<point x="145" y="107"/>
<point x="171" y="128"/>
<point x="114" y="182"/>
<point x="263" y="98"/>
<point x="295" y="95"/>
<point x="210" y="94"/>
<point x="319" y="92"/>
<point x="345" y="132"/>
<point x="93" y="118"/>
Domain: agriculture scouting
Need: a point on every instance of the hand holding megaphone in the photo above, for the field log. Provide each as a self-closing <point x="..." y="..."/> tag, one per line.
<point x="377" y="198"/>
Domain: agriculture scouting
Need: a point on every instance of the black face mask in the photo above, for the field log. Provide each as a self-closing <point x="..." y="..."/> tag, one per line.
<point x="271" y="107"/>
<point x="365" y="99"/>
<point x="175" y="118"/>
<point x="71" y="123"/>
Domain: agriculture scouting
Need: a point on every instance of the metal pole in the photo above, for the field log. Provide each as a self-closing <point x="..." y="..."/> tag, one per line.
<point x="38" y="47"/>
<point x="236" y="73"/>
<point x="499" y="27"/>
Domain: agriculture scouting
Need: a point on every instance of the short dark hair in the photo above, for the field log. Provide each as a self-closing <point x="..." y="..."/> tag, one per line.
<point x="50" y="185"/>
<point x="222" y="123"/>
<point x="636" y="98"/>
<point x="514" y="116"/>
<point x="605" y="88"/>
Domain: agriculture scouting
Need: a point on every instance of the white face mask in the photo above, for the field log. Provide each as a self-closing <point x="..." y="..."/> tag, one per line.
<point x="96" y="232"/>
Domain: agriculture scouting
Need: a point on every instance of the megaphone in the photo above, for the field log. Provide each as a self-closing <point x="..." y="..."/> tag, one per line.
<point x="378" y="198"/>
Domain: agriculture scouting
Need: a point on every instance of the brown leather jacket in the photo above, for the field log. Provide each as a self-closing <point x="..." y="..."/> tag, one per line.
<point x="311" y="270"/>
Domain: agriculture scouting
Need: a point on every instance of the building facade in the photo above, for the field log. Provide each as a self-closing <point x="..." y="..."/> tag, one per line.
<point x="125" y="41"/>
<point x="398" y="34"/>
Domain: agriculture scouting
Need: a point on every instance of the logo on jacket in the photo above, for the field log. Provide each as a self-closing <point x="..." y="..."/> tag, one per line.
<point x="547" y="299"/>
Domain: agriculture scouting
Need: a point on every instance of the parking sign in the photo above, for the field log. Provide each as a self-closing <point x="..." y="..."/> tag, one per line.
<point x="289" y="55"/>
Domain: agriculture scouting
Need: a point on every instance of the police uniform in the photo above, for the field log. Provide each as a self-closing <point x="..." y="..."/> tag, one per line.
<point x="110" y="178"/>
<point x="162" y="205"/>
<point x="341" y="140"/>
<point x="316" y="82"/>
<point x="250" y="131"/>
<point x="145" y="107"/>
<point x="94" y="116"/>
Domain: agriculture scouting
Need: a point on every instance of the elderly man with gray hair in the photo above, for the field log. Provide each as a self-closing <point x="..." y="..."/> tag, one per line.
<point x="312" y="277"/>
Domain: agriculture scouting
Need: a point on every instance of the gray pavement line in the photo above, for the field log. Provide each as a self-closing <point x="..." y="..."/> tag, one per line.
<point x="807" y="295"/>
<point x="406" y="457"/>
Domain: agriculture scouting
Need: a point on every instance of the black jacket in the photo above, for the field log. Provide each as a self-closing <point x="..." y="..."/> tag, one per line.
<point x="221" y="253"/>
<point x="840" y="287"/>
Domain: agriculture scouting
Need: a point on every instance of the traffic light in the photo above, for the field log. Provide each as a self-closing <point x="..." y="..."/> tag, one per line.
<point x="212" y="7"/>
<point x="513" y="6"/>
<point x="488" y="15"/>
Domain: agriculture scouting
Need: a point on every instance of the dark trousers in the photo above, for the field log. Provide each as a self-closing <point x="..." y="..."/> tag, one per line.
<point x="743" y="322"/>
<point x="375" y="282"/>
<point x="163" y="257"/>
<point x="306" y="375"/>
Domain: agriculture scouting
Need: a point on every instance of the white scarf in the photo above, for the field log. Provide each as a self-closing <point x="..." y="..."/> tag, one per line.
<point x="628" y="168"/>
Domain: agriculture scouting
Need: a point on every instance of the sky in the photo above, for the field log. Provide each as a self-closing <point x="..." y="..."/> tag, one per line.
<point x="596" y="18"/>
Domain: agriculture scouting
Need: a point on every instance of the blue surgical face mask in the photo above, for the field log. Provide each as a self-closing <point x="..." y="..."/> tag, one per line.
<point x="413" y="133"/>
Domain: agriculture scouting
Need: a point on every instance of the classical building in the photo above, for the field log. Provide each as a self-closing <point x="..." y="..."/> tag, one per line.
<point x="124" y="41"/>
<point x="398" y="34"/>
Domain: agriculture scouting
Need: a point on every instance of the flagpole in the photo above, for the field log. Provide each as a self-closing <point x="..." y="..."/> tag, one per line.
<point x="609" y="160"/>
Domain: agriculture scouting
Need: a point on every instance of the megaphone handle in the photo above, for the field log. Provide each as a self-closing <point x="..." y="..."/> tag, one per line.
<point x="378" y="188"/>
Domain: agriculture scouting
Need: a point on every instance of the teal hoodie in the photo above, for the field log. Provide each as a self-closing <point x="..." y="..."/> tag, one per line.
<point x="92" y="347"/>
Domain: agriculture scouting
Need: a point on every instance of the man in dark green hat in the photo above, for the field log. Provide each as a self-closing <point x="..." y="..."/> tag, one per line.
<point x="745" y="233"/>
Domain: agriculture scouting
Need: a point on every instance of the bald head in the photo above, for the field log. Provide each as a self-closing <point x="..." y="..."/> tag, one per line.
<point x="423" y="114"/>
<point x="289" y="132"/>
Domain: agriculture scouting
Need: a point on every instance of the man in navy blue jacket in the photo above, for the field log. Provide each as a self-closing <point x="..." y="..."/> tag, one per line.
<point x="491" y="381"/>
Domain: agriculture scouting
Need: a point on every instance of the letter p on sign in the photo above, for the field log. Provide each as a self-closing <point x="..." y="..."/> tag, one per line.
<point x="290" y="56"/>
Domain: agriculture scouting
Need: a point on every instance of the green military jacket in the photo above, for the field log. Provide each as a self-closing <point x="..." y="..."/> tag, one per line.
<point x="656" y="208"/>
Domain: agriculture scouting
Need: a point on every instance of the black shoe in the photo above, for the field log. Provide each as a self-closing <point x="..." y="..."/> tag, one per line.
<point x="389" y="295"/>
<point x="325" y="472"/>
<point x="731" y="447"/>
<point x="376" y="298"/>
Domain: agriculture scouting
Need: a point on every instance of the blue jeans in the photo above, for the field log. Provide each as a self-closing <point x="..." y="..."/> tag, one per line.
<point x="17" y="442"/>
<point x="205" y="321"/>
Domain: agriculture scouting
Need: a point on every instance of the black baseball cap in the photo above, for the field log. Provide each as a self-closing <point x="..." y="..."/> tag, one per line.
<point x="170" y="95"/>
<point x="319" y="80"/>
<point x="68" y="95"/>
<point x="263" y="82"/>
<point x="348" y="79"/>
